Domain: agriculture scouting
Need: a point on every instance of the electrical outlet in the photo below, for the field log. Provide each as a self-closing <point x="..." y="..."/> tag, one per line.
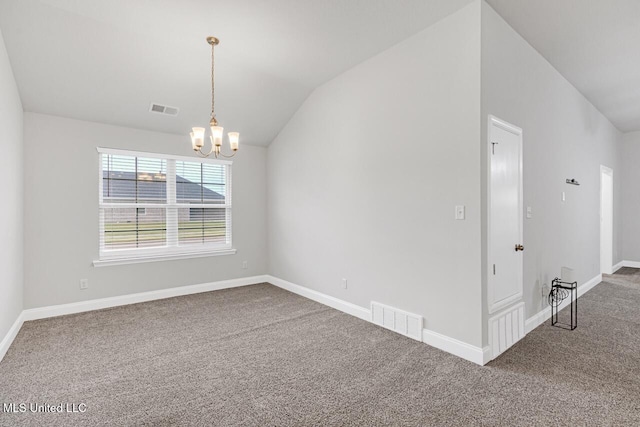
<point x="245" y="264"/>
<point x="84" y="283"/>
<point x="545" y="291"/>
<point x="344" y="283"/>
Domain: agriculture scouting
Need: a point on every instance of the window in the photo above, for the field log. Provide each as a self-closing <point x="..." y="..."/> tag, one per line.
<point x="155" y="206"/>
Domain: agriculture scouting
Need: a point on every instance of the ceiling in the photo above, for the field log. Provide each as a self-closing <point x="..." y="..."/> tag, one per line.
<point x="106" y="61"/>
<point x="593" y="43"/>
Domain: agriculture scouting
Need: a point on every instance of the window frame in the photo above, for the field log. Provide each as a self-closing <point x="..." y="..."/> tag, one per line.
<point x="172" y="249"/>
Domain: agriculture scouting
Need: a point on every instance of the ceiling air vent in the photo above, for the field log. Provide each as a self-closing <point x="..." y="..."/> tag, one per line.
<point x="164" y="109"/>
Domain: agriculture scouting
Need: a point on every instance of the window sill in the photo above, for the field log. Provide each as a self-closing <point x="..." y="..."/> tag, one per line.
<point x="154" y="258"/>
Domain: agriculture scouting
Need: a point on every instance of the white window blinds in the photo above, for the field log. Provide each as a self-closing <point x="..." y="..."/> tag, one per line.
<point x="153" y="204"/>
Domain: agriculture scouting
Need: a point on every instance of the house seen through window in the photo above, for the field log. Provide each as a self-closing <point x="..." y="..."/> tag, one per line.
<point x="162" y="205"/>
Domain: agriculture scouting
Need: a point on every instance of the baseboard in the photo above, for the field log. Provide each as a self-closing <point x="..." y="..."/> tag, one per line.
<point x="537" y="319"/>
<point x="11" y="335"/>
<point x="458" y="348"/>
<point x="542" y="316"/>
<point x="98" y="304"/>
<point x="486" y="355"/>
<point x="618" y="266"/>
<point x="477" y="355"/>
<point x="632" y="264"/>
<point x="333" y="302"/>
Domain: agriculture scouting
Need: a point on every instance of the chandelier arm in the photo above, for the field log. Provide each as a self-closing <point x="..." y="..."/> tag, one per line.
<point x="213" y="148"/>
<point x="225" y="156"/>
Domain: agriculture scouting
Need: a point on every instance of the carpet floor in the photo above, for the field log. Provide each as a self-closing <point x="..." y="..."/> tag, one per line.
<point x="261" y="356"/>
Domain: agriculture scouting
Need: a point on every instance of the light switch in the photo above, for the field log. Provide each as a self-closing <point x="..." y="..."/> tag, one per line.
<point x="460" y="212"/>
<point x="529" y="212"/>
<point x="563" y="196"/>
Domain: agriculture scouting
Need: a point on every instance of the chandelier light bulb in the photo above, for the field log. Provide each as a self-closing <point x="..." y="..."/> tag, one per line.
<point x="233" y="140"/>
<point x="197" y="138"/>
<point x="216" y="135"/>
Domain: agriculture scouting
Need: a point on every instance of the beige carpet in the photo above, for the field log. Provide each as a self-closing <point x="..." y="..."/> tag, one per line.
<point x="261" y="356"/>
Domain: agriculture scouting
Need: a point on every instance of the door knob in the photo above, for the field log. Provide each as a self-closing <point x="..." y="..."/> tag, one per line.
<point x="519" y="248"/>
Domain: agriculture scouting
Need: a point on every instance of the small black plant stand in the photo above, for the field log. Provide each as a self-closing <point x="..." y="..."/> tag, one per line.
<point x="559" y="292"/>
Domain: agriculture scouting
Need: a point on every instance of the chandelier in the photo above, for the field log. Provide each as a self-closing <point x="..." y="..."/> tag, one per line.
<point x="197" y="134"/>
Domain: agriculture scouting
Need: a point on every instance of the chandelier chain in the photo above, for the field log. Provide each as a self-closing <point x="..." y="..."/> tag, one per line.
<point x="213" y="114"/>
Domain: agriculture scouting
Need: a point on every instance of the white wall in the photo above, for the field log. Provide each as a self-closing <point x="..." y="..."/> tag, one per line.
<point x="630" y="196"/>
<point x="564" y="137"/>
<point x="61" y="214"/>
<point x="11" y="177"/>
<point x="364" y="179"/>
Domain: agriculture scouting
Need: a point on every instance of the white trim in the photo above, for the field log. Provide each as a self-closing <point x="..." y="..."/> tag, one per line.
<point x="605" y="170"/>
<point x="536" y="320"/>
<point x="11" y="335"/>
<point x="162" y="206"/>
<point x="333" y="302"/>
<point x="542" y="316"/>
<point x="98" y="304"/>
<point x="458" y="348"/>
<point x="228" y="211"/>
<point x="171" y="249"/>
<point x="498" y="305"/>
<point x="450" y="345"/>
<point x="505" y="329"/>
<point x="119" y="152"/>
<point x="474" y="354"/>
<point x="505" y="125"/>
<point x="619" y="265"/>
<point x="631" y="264"/>
<point x="137" y="260"/>
<point x="486" y="355"/>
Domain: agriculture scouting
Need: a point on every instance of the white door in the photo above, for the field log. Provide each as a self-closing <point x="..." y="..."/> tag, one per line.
<point x="505" y="215"/>
<point x="606" y="220"/>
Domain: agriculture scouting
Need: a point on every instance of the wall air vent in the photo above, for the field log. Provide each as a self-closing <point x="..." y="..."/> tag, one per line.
<point x="164" y="109"/>
<point x="402" y="322"/>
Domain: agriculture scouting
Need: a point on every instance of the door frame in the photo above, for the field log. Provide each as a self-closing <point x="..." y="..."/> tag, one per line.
<point x="493" y="120"/>
<point x="604" y="170"/>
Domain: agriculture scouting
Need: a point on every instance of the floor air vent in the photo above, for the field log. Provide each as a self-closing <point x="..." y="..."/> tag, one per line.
<point x="164" y="109"/>
<point x="397" y="320"/>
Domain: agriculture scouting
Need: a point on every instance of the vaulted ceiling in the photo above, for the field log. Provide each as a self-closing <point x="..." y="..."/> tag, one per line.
<point x="592" y="43"/>
<point x="106" y="61"/>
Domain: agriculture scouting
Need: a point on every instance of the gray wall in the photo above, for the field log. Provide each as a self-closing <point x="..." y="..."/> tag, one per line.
<point x="630" y="178"/>
<point x="564" y="137"/>
<point x="11" y="177"/>
<point x="364" y="179"/>
<point x="61" y="214"/>
<point x="361" y="183"/>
